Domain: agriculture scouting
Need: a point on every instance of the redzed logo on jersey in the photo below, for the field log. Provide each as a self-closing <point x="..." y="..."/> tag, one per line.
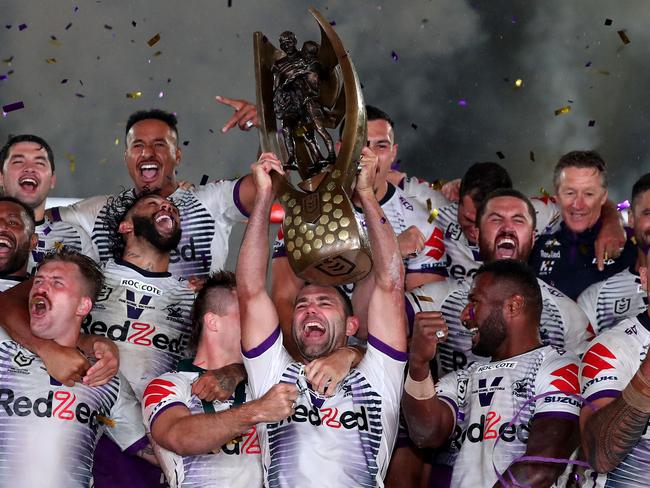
<point x="157" y="391"/>
<point x="567" y="379"/>
<point x="437" y="244"/>
<point x="594" y="362"/>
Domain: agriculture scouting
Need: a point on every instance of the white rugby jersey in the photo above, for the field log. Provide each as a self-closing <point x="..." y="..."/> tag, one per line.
<point x="7" y="282"/>
<point x="207" y="216"/>
<point x="237" y="464"/>
<point x="48" y="431"/>
<point x="485" y="398"/>
<point x="608" y="302"/>
<point x="341" y="441"/>
<point x="147" y="315"/>
<point x="402" y="213"/>
<point x="54" y="235"/>
<point x="609" y="364"/>
<point x="563" y="324"/>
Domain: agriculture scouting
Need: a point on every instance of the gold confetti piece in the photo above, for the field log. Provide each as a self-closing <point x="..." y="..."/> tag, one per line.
<point x="56" y="42"/>
<point x="8" y="60"/>
<point x="154" y="40"/>
<point x="58" y="245"/>
<point x="563" y="110"/>
<point x="424" y="298"/>
<point x="73" y="164"/>
<point x="519" y="83"/>
<point x="117" y="141"/>
<point x="433" y="212"/>
<point x="543" y="192"/>
<point x="50" y="60"/>
<point x="623" y="36"/>
<point x="437" y="184"/>
<point x="157" y="53"/>
<point x="105" y="421"/>
<point x="135" y="94"/>
<point x="602" y="72"/>
<point x="103" y="161"/>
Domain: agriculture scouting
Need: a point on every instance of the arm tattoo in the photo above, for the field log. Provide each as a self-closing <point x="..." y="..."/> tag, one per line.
<point x="612" y="432"/>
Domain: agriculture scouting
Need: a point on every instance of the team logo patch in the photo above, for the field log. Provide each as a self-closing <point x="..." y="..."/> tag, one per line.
<point x="453" y="231"/>
<point x="174" y="310"/>
<point x="595" y="360"/>
<point x="485" y="393"/>
<point x="520" y="389"/>
<point x="104" y="294"/>
<point x="567" y="379"/>
<point x="157" y="391"/>
<point x="622" y="305"/>
<point x="21" y="360"/>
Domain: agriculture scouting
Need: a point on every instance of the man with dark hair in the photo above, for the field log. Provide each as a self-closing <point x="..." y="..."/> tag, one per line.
<point x="211" y="443"/>
<point x="152" y="156"/>
<point x="419" y="238"/>
<point x="17" y="239"/>
<point x="568" y="259"/>
<point x="348" y="436"/>
<point x="521" y="403"/>
<point x="621" y="295"/>
<point x="615" y="380"/>
<point x="59" y="424"/>
<point x="27" y="174"/>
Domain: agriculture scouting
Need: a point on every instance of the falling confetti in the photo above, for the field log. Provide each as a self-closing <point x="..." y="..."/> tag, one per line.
<point x="415" y="126"/>
<point x="394" y="55"/>
<point x="433" y="212"/>
<point x="519" y="83"/>
<point x="161" y="94"/>
<point x="55" y="42"/>
<point x="80" y="95"/>
<point x="68" y="26"/>
<point x="72" y="162"/>
<point x="13" y="106"/>
<point x="623" y="36"/>
<point x="186" y="143"/>
<point x="462" y="102"/>
<point x="135" y="94"/>
<point x="563" y="110"/>
<point x="229" y="3"/>
<point x="154" y="40"/>
<point x="500" y="155"/>
<point x="108" y="27"/>
<point x="64" y="81"/>
<point x="157" y="53"/>
<point x="3" y="77"/>
<point x="608" y="21"/>
<point x="623" y="205"/>
<point x="117" y="141"/>
<point x="531" y="155"/>
<point x="543" y="192"/>
<point x="105" y="421"/>
<point x="588" y="64"/>
<point x="50" y="60"/>
<point x="22" y="27"/>
<point x="8" y="60"/>
<point x="204" y="180"/>
<point x="332" y="22"/>
<point x="592" y="123"/>
<point x="133" y="23"/>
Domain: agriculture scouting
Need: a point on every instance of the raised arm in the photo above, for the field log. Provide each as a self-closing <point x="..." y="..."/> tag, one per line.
<point x="258" y="315"/>
<point x="384" y="286"/>
<point x="285" y="286"/>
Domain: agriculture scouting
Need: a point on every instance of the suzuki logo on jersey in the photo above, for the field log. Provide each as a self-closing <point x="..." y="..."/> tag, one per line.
<point x="329" y="417"/>
<point x="140" y="286"/>
<point x="61" y="405"/>
<point x="138" y="333"/>
<point x="595" y="360"/>
<point x="491" y="427"/>
<point x="485" y="394"/>
<point x="567" y="379"/>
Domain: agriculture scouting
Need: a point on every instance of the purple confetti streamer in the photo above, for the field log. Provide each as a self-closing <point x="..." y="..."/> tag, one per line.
<point x="462" y="102"/>
<point x="394" y="55"/>
<point x="22" y="27"/>
<point x="13" y="106"/>
<point x="623" y="205"/>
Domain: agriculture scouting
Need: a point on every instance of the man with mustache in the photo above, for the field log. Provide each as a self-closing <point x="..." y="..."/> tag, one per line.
<point x="521" y="403"/>
<point x="152" y="157"/>
<point x="349" y="435"/>
<point x="27" y="174"/>
<point x="568" y="259"/>
<point x="49" y="430"/>
<point x="621" y="296"/>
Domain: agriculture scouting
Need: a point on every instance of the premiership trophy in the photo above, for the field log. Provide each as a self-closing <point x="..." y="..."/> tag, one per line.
<point x="307" y="91"/>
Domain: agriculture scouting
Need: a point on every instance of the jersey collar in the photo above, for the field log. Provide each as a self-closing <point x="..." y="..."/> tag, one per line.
<point x="144" y="272"/>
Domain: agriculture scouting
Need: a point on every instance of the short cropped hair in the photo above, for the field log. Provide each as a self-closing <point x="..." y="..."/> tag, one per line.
<point x="155" y="114"/>
<point x="215" y="297"/>
<point x="519" y="278"/>
<point x="11" y="140"/>
<point x="641" y="186"/>
<point x="506" y="192"/>
<point x="581" y="159"/>
<point x="483" y="178"/>
<point x="29" y="220"/>
<point x="90" y="271"/>
<point x="372" y="113"/>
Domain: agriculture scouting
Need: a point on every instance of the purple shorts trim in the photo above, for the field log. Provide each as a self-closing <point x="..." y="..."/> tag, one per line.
<point x="113" y="468"/>
<point x="386" y="349"/>
<point x="556" y="415"/>
<point x="237" y="200"/>
<point x="173" y="404"/>
<point x="264" y="346"/>
<point x="604" y="394"/>
<point x="137" y="446"/>
<point x="56" y="214"/>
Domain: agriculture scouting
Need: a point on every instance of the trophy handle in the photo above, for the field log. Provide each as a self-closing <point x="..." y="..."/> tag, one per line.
<point x="355" y="132"/>
<point x="263" y="51"/>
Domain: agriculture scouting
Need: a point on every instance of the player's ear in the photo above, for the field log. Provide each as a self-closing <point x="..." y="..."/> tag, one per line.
<point x="514" y="305"/>
<point x="351" y="325"/>
<point x="211" y="321"/>
<point x="125" y="227"/>
<point x="85" y="305"/>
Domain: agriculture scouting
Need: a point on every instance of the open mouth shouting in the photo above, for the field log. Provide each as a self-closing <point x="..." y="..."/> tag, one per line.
<point x="7" y="243"/>
<point x="313" y="329"/>
<point x="149" y="171"/>
<point x="506" y="246"/>
<point x="165" y="221"/>
<point x="28" y="183"/>
<point x="39" y="305"/>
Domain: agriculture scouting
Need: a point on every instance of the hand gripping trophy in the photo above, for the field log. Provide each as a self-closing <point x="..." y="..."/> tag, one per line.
<point x="308" y="91"/>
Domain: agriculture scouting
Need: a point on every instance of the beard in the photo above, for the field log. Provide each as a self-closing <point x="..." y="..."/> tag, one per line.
<point x="145" y="227"/>
<point x="16" y="261"/>
<point x="492" y="333"/>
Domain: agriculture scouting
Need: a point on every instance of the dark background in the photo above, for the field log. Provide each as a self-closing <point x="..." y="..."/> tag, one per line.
<point x="446" y="51"/>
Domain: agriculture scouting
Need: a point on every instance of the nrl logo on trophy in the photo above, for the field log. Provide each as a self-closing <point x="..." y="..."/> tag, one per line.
<point x="302" y="92"/>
